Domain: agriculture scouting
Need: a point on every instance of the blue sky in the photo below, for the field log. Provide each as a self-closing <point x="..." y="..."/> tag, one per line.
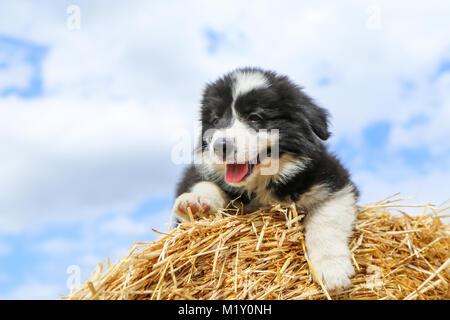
<point x="89" y="116"/>
<point x="22" y="53"/>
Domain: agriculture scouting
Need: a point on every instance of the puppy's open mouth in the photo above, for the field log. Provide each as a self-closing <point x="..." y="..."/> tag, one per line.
<point x="236" y="172"/>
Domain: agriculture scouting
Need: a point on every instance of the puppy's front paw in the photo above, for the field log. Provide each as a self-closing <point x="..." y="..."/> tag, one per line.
<point x="200" y="205"/>
<point x="335" y="272"/>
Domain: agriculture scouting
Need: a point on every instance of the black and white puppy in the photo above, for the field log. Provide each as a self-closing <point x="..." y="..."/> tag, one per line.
<point x="262" y="141"/>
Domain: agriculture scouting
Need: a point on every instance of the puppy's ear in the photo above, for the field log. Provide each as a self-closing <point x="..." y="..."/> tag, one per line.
<point x="318" y="120"/>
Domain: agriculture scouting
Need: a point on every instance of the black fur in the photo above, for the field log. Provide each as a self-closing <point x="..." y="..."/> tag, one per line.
<point x="303" y="127"/>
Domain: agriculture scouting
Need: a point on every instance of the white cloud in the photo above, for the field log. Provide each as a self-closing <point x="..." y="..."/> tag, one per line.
<point x="68" y="159"/>
<point x="433" y="131"/>
<point x="430" y="188"/>
<point x="123" y="225"/>
<point x="126" y="225"/>
<point x="57" y="246"/>
<point x="90" y="260"/>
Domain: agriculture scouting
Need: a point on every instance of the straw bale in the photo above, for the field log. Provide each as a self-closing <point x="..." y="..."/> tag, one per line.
<point x="262" y="256"/>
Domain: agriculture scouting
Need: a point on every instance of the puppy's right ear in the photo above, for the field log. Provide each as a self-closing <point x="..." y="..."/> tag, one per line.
<point x="316" y="117"/>
<point x="318" y="120"/>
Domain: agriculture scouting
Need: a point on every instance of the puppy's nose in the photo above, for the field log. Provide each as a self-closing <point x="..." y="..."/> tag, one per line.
<point x="224" y="148"/>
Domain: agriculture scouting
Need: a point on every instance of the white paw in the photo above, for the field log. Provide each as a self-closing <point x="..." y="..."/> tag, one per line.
<point x="335" y="272"/>
<point x="200" y="205"/>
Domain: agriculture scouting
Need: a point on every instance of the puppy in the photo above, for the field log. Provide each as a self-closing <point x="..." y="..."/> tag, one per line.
<point x="262" y="141"/>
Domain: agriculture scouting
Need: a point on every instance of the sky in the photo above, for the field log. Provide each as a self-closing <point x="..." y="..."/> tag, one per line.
<point x="94" y="95"/>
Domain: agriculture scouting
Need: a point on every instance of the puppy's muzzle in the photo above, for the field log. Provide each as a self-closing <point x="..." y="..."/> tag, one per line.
<point x="224" y="149"/>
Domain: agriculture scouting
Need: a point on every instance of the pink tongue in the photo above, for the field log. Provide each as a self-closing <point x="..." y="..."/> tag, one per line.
<point x="235" y="172"/>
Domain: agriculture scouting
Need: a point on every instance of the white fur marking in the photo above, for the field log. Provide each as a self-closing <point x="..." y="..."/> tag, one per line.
<point x="202" y="193"/>
<point x="289" y="167"/>
<point x="328" y="229"/>
<point x="248" y="143"/>
<point x="246" y="81"/>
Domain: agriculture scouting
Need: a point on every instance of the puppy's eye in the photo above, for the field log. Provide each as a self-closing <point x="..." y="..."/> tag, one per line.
<point x="215" y="121"/>
<point x="254" y="117"/>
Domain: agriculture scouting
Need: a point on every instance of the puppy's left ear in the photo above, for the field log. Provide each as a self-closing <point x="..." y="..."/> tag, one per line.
<point x="318" y="120"/>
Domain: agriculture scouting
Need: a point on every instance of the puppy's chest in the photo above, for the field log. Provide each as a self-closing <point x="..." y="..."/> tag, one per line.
<point x="262" y="196"/>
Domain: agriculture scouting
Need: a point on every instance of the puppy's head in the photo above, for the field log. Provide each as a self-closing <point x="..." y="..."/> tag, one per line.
<point x="256" y="123"/>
